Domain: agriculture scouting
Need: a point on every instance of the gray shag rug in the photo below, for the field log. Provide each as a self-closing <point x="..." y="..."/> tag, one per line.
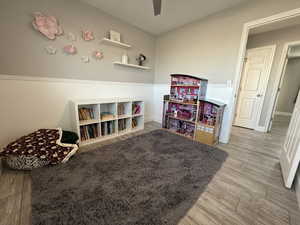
<point x="151" y="179"/>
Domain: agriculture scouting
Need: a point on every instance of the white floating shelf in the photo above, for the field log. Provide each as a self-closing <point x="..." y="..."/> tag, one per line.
<point x="132" y="65"/>
<point x="115" y="43"/>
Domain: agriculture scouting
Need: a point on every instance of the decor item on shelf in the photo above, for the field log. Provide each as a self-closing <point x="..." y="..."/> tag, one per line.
<point x="98" y="55"/>
<point x="85" y="59"/>
<point x="70" y="49"/>
<point x="71" y="36"/>
<point x="141" y="58"/>
<point x="51" y="50"/>
<point x="186" y="111"/>
<point x="136" y="108"/>
<point x="114" y="36"/>
<point x="87" y="35"/>
<point x="125" y="58"/>
<point x="47" y="25"/>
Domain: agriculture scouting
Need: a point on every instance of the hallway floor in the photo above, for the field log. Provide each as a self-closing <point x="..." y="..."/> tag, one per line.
<point x="248" y="189"/>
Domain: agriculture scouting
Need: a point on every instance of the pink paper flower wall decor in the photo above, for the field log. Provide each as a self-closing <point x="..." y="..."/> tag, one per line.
<point x="85" y="59"/>
<point x="71" y="36"/>
<point x="70" y="49"/>
<point x="51" y="50"/>
<point x="47" y="25"/>
<point x="98" y="55"/>
<point x="87" y="35"/>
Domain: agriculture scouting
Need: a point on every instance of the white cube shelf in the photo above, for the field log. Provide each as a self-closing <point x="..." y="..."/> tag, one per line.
<point x="101" y="119"/>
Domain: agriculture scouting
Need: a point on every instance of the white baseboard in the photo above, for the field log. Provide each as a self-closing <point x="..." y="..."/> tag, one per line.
<point x="261" y="129"/>
<point x="297" y="188"/>
<point x="283" y="113"/>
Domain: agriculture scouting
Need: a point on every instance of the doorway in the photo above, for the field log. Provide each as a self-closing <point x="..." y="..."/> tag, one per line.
<point x="288" y="87"/>
<point x="254" y="81"/>
<point x="290" y="148"/>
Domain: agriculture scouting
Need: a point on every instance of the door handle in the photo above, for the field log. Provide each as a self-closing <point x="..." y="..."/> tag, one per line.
<point x="258" y="95"/>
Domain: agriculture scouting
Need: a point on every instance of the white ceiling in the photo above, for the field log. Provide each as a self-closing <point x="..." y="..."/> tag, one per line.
<point x="175" y="13"/>
<point x="276" y="26"/>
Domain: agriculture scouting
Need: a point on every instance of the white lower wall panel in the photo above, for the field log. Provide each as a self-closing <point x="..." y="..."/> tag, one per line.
<point x="30" y="103"/>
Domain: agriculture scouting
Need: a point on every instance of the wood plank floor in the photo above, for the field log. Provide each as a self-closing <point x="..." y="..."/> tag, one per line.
<point x="248" y="189"/>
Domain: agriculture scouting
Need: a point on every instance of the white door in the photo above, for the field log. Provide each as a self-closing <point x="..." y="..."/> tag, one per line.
<point x="253" y="86"/>
<point x="290" y="155"/>
<point x="277" y="94"/>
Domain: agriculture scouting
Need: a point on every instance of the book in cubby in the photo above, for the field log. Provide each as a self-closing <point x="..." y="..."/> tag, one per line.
<point x="88" y="112"/>
<point x="108" y="128"/>
<point x="89" y="131"/>
<point x="124" y="109"/>
<point x="137" y="122"/>
<point x="137" y="108"/>
<point x="123" y="124"/>
<point x="108" y="111"/>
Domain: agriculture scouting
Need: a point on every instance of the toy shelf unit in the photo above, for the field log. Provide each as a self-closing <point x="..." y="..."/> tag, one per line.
<point x="187" y="112"/>
<point x="209" y="121"/>
<point x="187" y="89"/>
<point x="101" y="119"/>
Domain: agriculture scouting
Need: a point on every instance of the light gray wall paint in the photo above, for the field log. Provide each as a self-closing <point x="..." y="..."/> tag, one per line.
<point x="22" y="48"/>
<point x="290" y="87"/>
<point x="209" y="48"/>
<point x="279" y="38"/>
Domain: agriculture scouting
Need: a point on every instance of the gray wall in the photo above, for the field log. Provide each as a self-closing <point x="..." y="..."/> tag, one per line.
<point x="209" y="47"/>
<point x="290" y="87"/>
<point x="279" y="38"/>
<point x="22" y="48"/>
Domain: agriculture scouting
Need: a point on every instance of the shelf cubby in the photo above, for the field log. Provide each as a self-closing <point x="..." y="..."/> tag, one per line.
<point x="185" y="128"/>
<point x="124" y="109"/>
<point x="124" y="125"/>
<point x="108" y="111"/>
<point x="108" y="128"/>
<point x="88" y="113"/>
<point x="137" y="108"/>
<point x="89" y="132"/>
<point x="137" y="122"/>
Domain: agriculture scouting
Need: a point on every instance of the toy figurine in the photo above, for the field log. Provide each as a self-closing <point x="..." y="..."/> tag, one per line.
<point x="141" y="58"/>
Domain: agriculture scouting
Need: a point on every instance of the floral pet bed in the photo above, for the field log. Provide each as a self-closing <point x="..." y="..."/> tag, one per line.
<point x="40" y="148"/>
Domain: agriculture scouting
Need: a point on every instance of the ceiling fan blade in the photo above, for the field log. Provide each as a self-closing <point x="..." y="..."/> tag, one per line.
<point x="157" y="7"/>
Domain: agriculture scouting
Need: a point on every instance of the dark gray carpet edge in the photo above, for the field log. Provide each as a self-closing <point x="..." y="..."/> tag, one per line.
<point x="150" y="179"/>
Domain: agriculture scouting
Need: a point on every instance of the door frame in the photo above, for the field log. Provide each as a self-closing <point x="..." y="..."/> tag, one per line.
<point x="280" y="75"/>
<point x="242" y="50"/>
<point x="268" y="73"/>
